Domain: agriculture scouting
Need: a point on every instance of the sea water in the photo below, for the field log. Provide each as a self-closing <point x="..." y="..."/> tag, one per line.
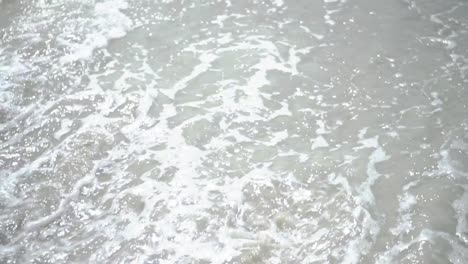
<point x="225" y="131"/>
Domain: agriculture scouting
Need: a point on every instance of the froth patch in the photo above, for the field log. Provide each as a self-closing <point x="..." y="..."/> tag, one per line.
<point x="107" y="24"/>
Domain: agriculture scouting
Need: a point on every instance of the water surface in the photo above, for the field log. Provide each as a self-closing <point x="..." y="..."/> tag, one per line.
<point x="233" y="131"/>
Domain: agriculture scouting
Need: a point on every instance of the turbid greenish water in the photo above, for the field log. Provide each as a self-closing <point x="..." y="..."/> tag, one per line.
<point x="233" y="131"/>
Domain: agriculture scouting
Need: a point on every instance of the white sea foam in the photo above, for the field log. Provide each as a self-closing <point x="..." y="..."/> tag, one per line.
<point x="108" y="23"/>
<point x="319" y="142"/>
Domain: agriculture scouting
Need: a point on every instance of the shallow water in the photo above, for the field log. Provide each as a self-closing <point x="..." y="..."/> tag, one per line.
<point x="234" y="131"/>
